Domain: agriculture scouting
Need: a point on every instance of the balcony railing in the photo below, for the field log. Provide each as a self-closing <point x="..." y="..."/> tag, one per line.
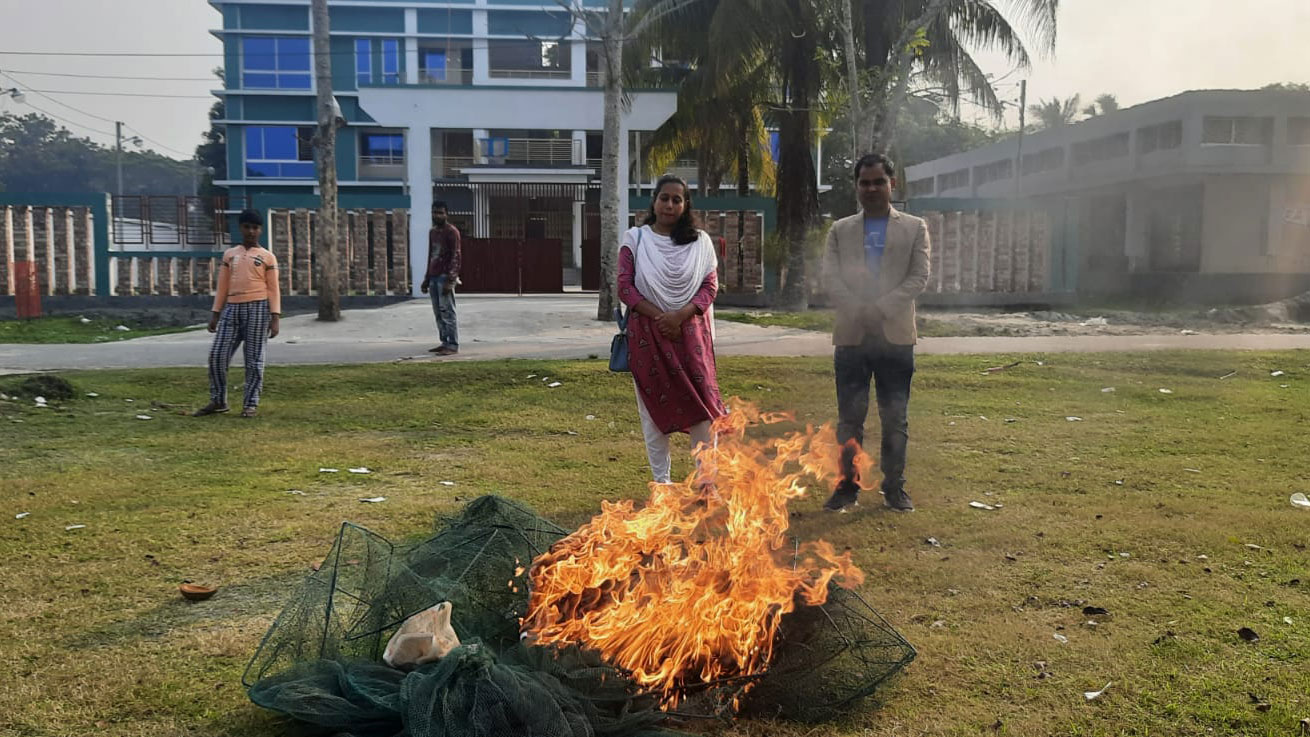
<point x="530" y="151"/>
<point x="453" y="77"/>
<point x="383" y="160"/>
<point x="530" y="74"/>
<point x="450" y="166"/>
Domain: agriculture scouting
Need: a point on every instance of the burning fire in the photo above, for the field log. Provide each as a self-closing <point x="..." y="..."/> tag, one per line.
<point x="690" y="588"/>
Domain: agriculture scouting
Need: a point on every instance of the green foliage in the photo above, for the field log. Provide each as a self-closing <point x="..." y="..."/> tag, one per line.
<point x="37" y="155"/>
<point x="1054" y="112"/>
<point x="926" y="132"/>
<point x="212" y="153"/>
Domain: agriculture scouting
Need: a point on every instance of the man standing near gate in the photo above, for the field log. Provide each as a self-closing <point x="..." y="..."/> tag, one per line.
<point x="441" y="277"/>
<point x="876" y="262"/>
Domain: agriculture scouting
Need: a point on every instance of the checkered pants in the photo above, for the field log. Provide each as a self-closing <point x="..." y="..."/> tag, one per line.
<point x="245" y="323"/>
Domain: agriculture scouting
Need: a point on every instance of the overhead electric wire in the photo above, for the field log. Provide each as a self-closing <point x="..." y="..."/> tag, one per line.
<point x="124" y="94"/>
<point x="66" y="121"/>
<point x="114" y="76"/>
<point x="80" y="111"/>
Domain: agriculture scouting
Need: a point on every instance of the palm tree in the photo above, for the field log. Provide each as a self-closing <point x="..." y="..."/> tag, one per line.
<point x="778" y="40"/>
<point x="1103" y="105"/>
<point x="934" y="39"/>
<point x="1054" y="112"/>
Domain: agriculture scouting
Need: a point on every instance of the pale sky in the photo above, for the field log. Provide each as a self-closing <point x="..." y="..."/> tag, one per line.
<point x="1139" y="50"/>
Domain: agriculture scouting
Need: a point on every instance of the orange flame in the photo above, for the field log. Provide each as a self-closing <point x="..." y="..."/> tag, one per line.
<point x="691" y="587"/>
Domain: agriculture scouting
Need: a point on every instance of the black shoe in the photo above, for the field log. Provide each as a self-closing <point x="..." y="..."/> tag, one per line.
<point x="844" y="498"/>
<point x="898" y="500"/>
<point x="213" y="408"/>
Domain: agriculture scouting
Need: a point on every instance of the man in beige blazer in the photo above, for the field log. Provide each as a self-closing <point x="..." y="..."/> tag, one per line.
<point x="875" y="264"/>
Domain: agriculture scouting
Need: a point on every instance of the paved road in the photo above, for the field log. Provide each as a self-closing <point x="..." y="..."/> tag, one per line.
<point x="549" y="326"/>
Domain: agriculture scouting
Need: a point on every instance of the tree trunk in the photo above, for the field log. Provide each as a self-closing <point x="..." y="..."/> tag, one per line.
<point x="856" y="108"/>
<point x="325" y="148"/>
<point x="744" y="126"/>
<point x="798" y="195"/>
<point x="896" y="78"/>
<point x="610" y="187"/>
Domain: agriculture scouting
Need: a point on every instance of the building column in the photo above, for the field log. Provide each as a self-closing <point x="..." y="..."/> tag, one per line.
<point x="481" y="58"/>
<point x="1137" y="246"/>
<point x="577" y="234"/>
<point x="579" y="147"/>
<point x="578" y="53"/>
<point x="411" y="46"/>
<point x="418" y="179"/>
<point x="479" y="154"/>
<point x="481" y="221"/>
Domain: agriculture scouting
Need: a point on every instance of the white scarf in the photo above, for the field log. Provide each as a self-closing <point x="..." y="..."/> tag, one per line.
<point x="669" y="274"/>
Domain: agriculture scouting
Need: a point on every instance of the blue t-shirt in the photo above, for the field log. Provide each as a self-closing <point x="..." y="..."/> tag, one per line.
<point x="875" y="240"/>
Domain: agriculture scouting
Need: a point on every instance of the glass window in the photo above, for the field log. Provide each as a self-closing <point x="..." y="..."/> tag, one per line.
<point x="363" y="61"/>
<point x="1298" y="131"/>
<point x="1243" y="131"/>
<point x="279" y="152"/>
<point x="434" y="65"/>
<point x="383" y="148"/>
<point x="275" y="62"/>
<point x="390" y="61"/>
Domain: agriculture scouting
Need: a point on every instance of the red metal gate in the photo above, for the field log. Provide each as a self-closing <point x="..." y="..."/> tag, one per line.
<point x="511" y="265"/>
<point x="514" y="235"/>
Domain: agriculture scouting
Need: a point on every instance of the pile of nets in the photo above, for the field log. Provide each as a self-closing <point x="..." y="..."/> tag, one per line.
<point x="321" y="661"/>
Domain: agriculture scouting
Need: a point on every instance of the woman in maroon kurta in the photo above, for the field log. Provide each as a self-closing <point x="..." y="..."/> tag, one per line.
<point x="668" y="280"/>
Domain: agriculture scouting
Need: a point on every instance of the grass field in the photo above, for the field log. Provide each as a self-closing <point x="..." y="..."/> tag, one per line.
<point x="71" y="329"/>
<point x="1169" y="510"/>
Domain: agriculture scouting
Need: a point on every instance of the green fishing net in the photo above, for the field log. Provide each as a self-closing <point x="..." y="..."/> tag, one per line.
<point x="321" y="661"/>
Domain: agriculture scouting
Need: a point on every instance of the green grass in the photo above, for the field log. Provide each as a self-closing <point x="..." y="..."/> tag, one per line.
<point x="94" y="638"/>
<point x="822" y="321"/>
<point x="71" y="329"/>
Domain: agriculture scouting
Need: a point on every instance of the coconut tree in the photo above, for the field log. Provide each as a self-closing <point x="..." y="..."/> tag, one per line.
<point x="1102" y="105"/>
<point x="779" y="40"/>
<point x="935" y="40"/>
<point x="1054" y="112"/>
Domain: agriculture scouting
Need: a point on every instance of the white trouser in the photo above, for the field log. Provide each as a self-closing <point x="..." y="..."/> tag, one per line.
<point x="657" y="442"/>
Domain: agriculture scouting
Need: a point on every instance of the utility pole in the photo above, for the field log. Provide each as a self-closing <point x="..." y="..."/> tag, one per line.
<point x="1023" y="120"/>
<point x="118" y="156"/>
<point x="325" y="151"/>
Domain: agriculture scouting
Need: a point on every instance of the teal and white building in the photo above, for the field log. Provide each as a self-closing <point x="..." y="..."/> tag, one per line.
<point x="434" y="93"/>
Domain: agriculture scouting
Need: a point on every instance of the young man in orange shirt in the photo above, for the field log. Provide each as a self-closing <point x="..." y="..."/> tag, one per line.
<point x="247" y="308"/>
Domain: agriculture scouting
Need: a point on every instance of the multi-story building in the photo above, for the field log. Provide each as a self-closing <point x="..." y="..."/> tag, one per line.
<point x="1207" y="191"/>
<point x="461" y="97"/>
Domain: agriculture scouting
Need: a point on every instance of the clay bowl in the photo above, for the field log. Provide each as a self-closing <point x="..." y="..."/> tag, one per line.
<point x="195" y="592"/>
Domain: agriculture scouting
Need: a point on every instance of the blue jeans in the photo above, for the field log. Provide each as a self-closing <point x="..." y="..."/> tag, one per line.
<point x="890" y="367"/>
<point x="443" y="308"/>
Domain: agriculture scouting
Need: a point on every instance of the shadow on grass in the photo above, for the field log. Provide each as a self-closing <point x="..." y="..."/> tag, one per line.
<point x="246" y="599"/>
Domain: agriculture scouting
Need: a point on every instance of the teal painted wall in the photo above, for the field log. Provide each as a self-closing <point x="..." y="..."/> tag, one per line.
<point x="343" y="63"/>
<point x="347" y="161"/>
<point x="232" y="62"/>
<point x="371" y="20"/>
<point x="266" y="198"/>
<point x="510" y="22"/>
<point x="236" y="151"/>
<point x="445" y="21"/>
<point x="274" y="17"/>
<point x="353" y="112"/>
<point x="234" y="107"/>
<point x="263" y="107"/>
